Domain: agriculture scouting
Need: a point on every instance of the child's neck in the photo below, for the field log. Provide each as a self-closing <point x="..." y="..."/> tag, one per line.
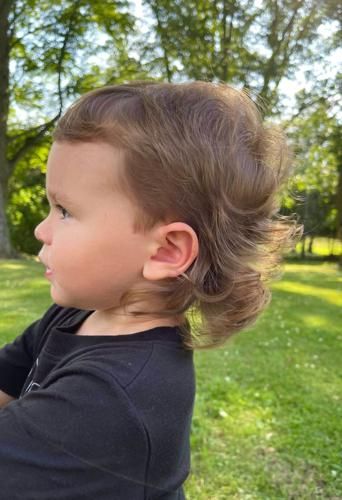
<point x="107" y="322"/>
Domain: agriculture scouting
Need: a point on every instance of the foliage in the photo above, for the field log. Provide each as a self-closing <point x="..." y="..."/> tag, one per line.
<point x="60" y="50"/>
<point x="52" y="46"/>
<point x="27" y="202"/>
<point x="56" y="51"/>
<point x="254" y="44"/>
<point x="316" y="179"/>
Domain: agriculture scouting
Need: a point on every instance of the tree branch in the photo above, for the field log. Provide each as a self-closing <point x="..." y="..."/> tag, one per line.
<point x="302" y="107"/>
<point x="16" y="15"/>
<point x="32" y="32"/>
<point x="272" y="66"/>
<point x="31" y="140"/>
<point x="42" y="129"/>
<point x="155" y="9"/>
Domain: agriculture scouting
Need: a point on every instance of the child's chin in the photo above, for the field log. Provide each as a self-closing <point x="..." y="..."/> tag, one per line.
<point x="70" y="302"/>
<point x="63" y="301"/>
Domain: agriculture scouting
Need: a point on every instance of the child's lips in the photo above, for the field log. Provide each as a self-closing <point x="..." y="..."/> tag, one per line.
<point x="48" y="272"/>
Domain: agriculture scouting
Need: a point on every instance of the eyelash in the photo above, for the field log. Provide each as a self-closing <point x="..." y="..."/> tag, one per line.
<point x="63" y="211"/>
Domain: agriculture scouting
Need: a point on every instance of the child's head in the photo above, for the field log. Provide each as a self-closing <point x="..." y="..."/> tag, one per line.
<point x="195" y="154"/>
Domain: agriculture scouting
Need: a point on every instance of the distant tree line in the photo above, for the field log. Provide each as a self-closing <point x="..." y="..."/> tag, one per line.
<point x="52" y="52"/>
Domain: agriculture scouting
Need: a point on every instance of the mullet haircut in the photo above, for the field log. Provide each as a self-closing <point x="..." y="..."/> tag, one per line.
<point x="199" y="153"/>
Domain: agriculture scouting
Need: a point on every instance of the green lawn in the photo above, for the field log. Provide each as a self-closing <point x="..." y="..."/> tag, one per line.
<point x="268" y="415"/>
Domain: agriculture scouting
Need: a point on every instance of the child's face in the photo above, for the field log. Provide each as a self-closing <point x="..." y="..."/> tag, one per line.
<point x="88" y="241"/>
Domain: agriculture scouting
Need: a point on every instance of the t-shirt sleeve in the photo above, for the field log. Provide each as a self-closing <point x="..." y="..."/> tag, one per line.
<point x="77" y="437"/>
<point x="16" y="360"/>
<point x="17" y="357"/>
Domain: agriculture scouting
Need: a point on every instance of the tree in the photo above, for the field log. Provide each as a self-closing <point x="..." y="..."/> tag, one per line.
<point x="56" y="53"/>
<point x="246" y="43"/>
<point x="317" y="178"/>
<point x="335" y="149"/>
<point x="44" y="47"/>
<point x="5" y="37"/>
<point x="258" y="45"/>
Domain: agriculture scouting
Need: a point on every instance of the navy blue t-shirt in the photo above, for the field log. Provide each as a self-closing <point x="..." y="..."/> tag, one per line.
<point x="104" y="417"/>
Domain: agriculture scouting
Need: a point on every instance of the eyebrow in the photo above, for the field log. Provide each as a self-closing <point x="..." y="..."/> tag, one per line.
<point x="56" y="197"/>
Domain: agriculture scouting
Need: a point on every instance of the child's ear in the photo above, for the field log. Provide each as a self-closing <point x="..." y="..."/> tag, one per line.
<point x="176" y="247"/>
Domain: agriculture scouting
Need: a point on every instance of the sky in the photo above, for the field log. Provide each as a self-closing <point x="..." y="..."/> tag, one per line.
<point x="288" y="88"/>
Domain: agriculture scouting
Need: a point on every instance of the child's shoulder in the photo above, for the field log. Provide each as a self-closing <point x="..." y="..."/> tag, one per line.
<point x="153" y="357"/>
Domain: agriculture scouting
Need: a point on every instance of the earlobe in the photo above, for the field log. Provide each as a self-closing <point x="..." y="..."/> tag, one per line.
<point x="177" y="248"/>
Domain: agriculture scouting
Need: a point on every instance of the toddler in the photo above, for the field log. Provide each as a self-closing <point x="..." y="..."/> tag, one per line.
<point x="164" y="201"/>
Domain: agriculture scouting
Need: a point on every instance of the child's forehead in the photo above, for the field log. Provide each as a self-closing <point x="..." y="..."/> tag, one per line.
<point x="85" y="152"/>
<point x="79" y="178"/>
<point x="99" y="164"/>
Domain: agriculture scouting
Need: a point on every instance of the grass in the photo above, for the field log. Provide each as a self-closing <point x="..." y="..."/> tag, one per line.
<point x="268" y="413"/>
<point x="267" y="422"/>
<point x="24" y="295"/>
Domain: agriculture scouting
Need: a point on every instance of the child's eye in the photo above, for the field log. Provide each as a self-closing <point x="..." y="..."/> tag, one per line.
<point x="64" y="212"/>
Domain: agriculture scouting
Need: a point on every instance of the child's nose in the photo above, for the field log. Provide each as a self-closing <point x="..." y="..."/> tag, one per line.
<point x="43" y="233"/>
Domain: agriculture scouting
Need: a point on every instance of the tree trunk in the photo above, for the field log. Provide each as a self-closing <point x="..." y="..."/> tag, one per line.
<point x="5" y="6"/>
<point x="339" y="211"/>
<point x="163" y="41"/>
<point x="5" y="245"/>
<point x="312" y="237"/>
<point x="303" y="248"/>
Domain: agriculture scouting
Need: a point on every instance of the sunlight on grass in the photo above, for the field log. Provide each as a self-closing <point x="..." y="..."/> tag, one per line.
<point x="268" y="413"/>
<point x="314" y="321"/>
<point x="324" y="268"/>
<point x="252" y="421"/>
<point x="10" y="265"/>
<point x="331" y="296"/>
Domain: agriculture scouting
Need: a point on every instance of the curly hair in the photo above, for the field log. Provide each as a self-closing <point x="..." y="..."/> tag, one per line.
<point x="199" y="153"/>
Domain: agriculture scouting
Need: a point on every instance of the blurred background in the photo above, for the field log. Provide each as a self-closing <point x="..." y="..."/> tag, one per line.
<point x="267" y="421"/>
<point x="287" y="52"/>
